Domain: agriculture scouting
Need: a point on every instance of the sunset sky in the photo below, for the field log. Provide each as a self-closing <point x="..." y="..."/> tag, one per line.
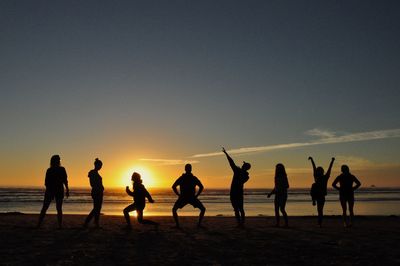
<point x="148" y="86"/>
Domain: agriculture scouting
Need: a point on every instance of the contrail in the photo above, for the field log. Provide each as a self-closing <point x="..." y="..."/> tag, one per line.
<point x="327" y="138"/>
<point x="169" y="161"/>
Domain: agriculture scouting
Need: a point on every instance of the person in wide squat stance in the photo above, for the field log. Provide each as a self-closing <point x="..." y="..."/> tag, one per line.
<point x="187" y="183"/>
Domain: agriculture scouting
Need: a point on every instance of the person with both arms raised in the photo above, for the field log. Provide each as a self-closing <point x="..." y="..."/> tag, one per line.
<point x="318" y="188"/>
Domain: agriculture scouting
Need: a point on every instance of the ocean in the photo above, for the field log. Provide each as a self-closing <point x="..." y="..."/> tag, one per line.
<point x="369" y="201"/>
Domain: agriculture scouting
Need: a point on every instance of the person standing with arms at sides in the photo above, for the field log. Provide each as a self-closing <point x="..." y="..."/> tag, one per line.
<point x="318" y="189"/>
<point x="346" y="192"/>
<point x="96" y="183"/>
<point x="139" y="195"/>
<point x="240" y="176"/>
<point x="281" y="194"/>
<point x="187" y="183"/>
<point x="56" y="179"/>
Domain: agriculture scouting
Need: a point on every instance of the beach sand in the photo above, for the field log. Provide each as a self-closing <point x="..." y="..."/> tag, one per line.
<point x="371" y="241"/>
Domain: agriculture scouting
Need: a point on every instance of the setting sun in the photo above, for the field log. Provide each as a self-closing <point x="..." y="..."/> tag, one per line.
<point x="145" y="173"/>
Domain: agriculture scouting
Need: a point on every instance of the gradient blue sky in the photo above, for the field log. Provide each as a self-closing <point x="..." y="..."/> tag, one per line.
<point x="167" y="80"/>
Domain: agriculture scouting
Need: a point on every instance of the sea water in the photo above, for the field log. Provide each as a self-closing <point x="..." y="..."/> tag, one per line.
<point x="369" y="201"/>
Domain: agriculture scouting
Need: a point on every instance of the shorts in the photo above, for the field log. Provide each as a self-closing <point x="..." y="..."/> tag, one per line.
<point x="182" y="202"/>
<point x="237" y="201"/>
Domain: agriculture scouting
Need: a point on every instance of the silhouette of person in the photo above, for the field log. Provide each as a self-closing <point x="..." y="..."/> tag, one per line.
<point x="346" y="192"/>
<point x="318" y="188"/>
<point x="56" y="179"/>
<point x="240" y="176"/>
<point x="187" y="183"/>
<point x="139" y="195"/>
<point x="281" y="194"/>
<point x="97" y="193"/>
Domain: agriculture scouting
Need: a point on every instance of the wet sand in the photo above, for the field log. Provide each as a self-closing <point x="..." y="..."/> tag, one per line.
<point x="371" y="241"/>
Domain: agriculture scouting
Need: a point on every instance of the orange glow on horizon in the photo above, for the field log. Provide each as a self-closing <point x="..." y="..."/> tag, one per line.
<point x="146" y="174"/>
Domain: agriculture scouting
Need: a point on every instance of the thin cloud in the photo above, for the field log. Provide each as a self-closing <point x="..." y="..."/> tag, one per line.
<point x="320" y="133"/>
<point x="360" y="163"/>
<point x="325" y="138"/>
<point x="169" y="161"/>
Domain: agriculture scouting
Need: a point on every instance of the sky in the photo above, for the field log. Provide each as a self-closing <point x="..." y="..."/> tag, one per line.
<point x="149" y="86"/>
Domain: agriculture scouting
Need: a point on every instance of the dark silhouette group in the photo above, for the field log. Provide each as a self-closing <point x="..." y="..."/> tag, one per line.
<point x="190" y="189"/>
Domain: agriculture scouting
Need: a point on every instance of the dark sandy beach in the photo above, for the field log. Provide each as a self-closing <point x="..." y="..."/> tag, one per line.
<point x="372" y="241"/>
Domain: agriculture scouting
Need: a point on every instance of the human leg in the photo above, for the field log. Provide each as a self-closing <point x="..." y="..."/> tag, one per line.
<point x="351" y="206"/>
<point x="59" y="202"/>
<point x="343" y="203"/>
<point x="282" y="207"/>
<point x="127" y="210"/>
<point x="141" y="220"/>
<point x="237" y="204"/>
<point x="89" y="218"/>
<point x="276" y="205"/>
<point x="180" y="203"/>
<point x="91" y="214"/>
<point x="320" y="209"/>
<point x="46" y="203"/>
<point x="242" y="215"/>
<point x="98" y="202"/>
<point x="197" y="204"/>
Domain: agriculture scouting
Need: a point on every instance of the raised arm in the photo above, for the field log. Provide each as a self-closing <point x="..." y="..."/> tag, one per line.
<point x="328" y="173"/>
<point x="230" y="160"/>
<point x="128" y="191"/>
<point x="313" y="165"/>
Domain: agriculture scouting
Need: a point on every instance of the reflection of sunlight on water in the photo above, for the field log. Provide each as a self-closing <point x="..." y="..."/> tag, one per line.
<point x="264" y="209"/>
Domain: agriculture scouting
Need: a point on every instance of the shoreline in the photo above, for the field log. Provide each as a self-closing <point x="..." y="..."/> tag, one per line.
<point x="211" y="216"/>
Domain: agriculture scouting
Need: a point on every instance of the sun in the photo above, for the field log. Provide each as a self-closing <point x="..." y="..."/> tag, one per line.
<point x="145" y="173"/>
